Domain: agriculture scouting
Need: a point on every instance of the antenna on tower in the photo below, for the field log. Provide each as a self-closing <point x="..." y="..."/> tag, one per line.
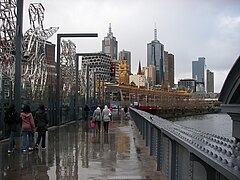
<point x="110" y="29"/>
<point x="155" y="31"/>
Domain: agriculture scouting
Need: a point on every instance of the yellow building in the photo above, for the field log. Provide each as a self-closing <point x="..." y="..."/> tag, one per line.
<point x="123" y="72"/>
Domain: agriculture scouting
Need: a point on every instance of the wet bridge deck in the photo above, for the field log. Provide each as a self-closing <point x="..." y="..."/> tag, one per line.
<point x="76" y="152"/>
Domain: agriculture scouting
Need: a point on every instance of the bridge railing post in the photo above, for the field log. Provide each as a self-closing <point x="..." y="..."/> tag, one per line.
<point x="151" y="140"/>
<point x="173" y="159"/>
<point x="147" y="133"/>
<point x="159" y="153"/>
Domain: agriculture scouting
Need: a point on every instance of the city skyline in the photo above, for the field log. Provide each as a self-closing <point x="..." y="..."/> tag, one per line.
<point x="188" y="29"/>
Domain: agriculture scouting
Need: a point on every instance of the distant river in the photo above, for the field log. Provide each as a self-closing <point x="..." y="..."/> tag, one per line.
<point x="220" y="124"/>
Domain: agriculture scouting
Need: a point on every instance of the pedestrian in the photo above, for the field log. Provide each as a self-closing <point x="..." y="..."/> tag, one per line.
<point x="11" y="119"/>
<point x="125" y="110"/>
<point x="86" y="111"/>
<point x="28" y="127"/>
<point x="97" y="116"/>
<point x="106" y="113"/>
<point x="41" y="121"/>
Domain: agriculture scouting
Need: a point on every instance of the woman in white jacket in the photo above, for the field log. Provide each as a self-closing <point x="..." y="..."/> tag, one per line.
<point x="106" y="113"/>
<point x="97" y="115"/>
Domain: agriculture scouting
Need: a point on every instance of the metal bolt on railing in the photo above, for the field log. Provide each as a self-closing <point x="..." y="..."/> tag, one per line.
<point x="219" y="158"/>
<point x="215" y="155"/>
<point x="224" y="161"/>
<point x="230" y="164"/>
<point x="236" y="168"/>
<point x="229" y="153"/>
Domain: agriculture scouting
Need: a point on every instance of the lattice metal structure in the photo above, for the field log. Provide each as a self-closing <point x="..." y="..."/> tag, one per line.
<point x="68" y="70"/>
<point x="34" y="69"/>
<point x="7" y="38"/>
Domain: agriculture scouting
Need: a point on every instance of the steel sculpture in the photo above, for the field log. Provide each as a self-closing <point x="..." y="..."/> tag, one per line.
<point x="34" y="71"/>
<point x="68" y="69"/>
<point x="7" y="38"/>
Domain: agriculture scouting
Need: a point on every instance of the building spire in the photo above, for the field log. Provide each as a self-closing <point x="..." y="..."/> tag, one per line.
<point x="139" y="69"/>
<point x="155" y="31"/>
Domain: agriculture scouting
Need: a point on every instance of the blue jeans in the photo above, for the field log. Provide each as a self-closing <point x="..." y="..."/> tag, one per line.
<point x="11" y="140"/>
<point x="26" y="139"/>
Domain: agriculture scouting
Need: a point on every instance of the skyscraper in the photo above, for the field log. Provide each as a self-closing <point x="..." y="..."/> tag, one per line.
<point x="127" y="56"/>
<point x="198" y="71"/>
<point x="171" y="69"/>
<point x="155" y="56"/>
<point x="210" y="81"/>
<point x="110" y="44"/>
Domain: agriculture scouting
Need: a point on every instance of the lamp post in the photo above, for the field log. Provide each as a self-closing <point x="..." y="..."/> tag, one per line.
<point x="17" y="84"/>
<point x="59" y="36"/>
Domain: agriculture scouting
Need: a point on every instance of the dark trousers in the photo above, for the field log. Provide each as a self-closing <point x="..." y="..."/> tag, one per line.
<point x="98" y="123"/>
<point x="105" y="125"/>
<point x="11" y="143"/>
<point x="41" y="135"/>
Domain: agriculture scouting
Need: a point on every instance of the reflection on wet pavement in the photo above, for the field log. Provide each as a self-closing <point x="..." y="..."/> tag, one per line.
<point x="74" y="151"/>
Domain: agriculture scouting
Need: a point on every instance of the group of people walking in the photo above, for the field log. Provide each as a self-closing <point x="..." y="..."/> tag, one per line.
<point x="28" y="125"/>
<point x="100" y="116"/>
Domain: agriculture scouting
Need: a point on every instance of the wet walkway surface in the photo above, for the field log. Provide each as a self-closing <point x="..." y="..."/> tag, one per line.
<point x="76" y="152"/>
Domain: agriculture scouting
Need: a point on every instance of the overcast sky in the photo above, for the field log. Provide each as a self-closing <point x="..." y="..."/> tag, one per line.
<point x="188" y="29"/>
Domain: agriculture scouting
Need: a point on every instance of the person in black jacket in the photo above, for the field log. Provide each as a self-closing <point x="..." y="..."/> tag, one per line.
<point x="11" y="119"/>
<point x="41" y="122"/>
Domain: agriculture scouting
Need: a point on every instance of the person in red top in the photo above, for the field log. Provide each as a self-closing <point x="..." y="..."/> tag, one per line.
<point x="28" y="127"/>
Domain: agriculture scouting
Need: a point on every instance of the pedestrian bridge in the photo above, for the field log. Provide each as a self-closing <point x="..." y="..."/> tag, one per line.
<point x="142" y="146"/>
<point x="76" y="152"/>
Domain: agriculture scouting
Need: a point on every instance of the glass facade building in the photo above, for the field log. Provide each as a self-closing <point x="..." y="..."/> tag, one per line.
<point x="198" y="70"/>
<point x="155" y="56"/>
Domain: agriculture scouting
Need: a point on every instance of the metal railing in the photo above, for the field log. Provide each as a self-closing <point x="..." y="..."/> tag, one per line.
<point x="186" y="153"/>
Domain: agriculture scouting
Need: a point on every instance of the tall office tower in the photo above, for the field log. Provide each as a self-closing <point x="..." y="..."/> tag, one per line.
<point x="171" y="69"/>
<point x="110" y="44"/>
<point x="126" y="55"/>
<point x="198" y="71"/>
<point x="155" y="56"/>
<point x="210" y="81"/>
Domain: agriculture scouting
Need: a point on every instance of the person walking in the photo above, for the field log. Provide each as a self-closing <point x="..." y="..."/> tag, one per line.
<point x="97" y="116"/>
<point x="11" y="119"/>
<point x="28" y="127"/>
<point x="86" y="111"/>
<point x="106" y="113"/>
<point x="41" y="121"/>
<point x="125" y="110"/>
